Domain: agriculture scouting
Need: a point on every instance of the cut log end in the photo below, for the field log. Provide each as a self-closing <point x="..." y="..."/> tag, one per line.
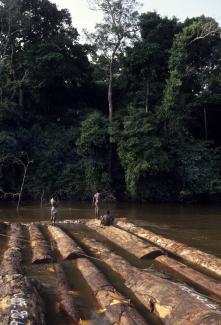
<point x="153" y="253"/>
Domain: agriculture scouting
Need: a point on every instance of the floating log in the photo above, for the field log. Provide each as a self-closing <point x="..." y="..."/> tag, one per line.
<point x="207" y="262"/>
<point x="204" y="283"/>
<point x="129" y="242"/>
<point x="41" y="250"/>
<point x="172" y="302"/>
<point x="116" y="308"/>
<point x="68" y="302"/>
<point x="20" y="302"/>
<point x="11" y="263"/>
<point x="66" y="246"/>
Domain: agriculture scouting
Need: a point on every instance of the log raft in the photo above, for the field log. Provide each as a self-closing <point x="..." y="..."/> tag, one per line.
<point x="204" y="261"/>
<point x="41" y="251"/>
<point x="129" y="242"/>
<point x="67" y="301"/>
<point x="116" y="308"/>
<point x="20" y="302"/>
<point x="205" y="284"/>
<point x="172" y="302"/>
<point x="66" y="246"/>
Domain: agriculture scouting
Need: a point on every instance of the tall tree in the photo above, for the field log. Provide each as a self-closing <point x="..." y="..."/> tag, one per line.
<point x="145" y="65"/>
<point x="119" y="26"/>
<point x="93" y="147"/>
<point x="194" y="57"/>
<point x="140" y="149"/>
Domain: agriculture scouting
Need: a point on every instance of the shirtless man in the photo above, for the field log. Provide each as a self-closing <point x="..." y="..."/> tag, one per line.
<point x="107" y="219"/>
<point x="53" y="202"/>
<point x="96" y="203"/>
<point x="54" y="211"/>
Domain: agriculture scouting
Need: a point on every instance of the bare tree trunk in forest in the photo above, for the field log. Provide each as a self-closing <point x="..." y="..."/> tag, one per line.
<point x="205" y="123"/>
<point x="20" y="97"/>
<point x="110" y="82"/>
<point x="147" y="95"/>
<point x="1" y="94"/>
<point x="18" y="162"/>
<point x="23" y="181"/>
<point x="42" y="198"/>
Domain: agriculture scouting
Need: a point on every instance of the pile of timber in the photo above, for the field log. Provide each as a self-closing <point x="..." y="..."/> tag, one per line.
<point x="20" y="302"/>
<point x="67" y="301"/>
<point x="66" y="246"/>
<point x="129" y="242"/>
<point x="171" y="302"/>
<point x="204" y="261"/>
<point x="41" y="251"/>
<point x="116" y="309"/>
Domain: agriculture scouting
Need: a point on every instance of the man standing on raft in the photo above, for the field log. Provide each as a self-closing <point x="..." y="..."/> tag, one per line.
<point x="96" y="203"/>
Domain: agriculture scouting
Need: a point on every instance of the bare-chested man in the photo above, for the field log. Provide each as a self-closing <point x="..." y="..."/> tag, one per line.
<point x="96" y="203"/>
<point x="54" y="210"/>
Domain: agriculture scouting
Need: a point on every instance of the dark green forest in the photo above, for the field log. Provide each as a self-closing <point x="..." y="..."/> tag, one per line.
<point x="162" y="141"/>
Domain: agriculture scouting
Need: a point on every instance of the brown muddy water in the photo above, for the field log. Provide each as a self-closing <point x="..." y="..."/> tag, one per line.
<point x="197" y="226"/>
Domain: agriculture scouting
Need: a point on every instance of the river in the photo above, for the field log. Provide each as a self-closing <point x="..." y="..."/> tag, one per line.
<point x="196" y="225"/>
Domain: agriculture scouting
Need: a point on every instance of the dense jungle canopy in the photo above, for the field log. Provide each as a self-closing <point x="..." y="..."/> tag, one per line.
<point x="162" y="142"/>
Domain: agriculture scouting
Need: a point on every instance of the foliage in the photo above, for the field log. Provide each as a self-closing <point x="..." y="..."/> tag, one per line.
<point x="146" y="63"/>
<point x="193" y="58"/>
<point x="118" y="28"/>
<point x="140" y="149"/>
<point x="93" y="147"/>
<point x="164" y="82"/>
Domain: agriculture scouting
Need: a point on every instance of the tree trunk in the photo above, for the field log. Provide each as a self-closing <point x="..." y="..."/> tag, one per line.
<point x="40" y="247"/>
<point x="205" y="123"/>
<point x="147" y="96"/>
<point x="110" y="82"/>
<point x="22" y="184"/>
<point x="206" y="262"/>
<point x="68" y="302"/>
<point x="129" y="242"/>
<point x="42" y="198"/>
<point x="66" y="246"/>
<point x="20" y="97"/>
<point x="116" y="307"/>
<point x="182" y="272"/>
<point x="172" y="302"/>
